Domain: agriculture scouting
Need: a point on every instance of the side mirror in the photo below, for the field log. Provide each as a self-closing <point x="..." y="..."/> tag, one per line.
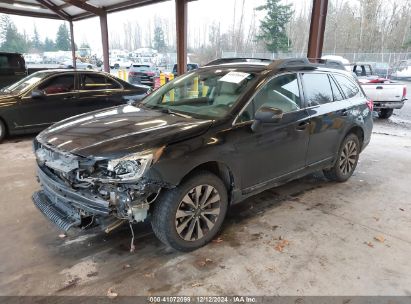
<point x="266" y="115"/>
<point x="37" y="94"/>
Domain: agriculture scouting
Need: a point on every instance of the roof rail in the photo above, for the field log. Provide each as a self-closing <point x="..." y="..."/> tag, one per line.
<point x="234" y="60"/>
<point x="305" y="63"/>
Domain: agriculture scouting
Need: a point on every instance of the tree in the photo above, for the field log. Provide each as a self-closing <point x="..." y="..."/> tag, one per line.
<point x="63" y="38"/>
<point x="49" y="45"/>
<point x="36" y="42"/>
<point x="273" y="28"/>
<point x="12" y="40"/>
<point x="159" y="42"/>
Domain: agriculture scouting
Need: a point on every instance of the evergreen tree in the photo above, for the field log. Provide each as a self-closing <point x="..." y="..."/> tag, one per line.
<point x="273" y="30"/>
<point x="11" y="40"/>
<point x="159" y="42"/>
<point x="36" y="42"/>
<point x="49" y="45"/>
<point x="63" y="38"/>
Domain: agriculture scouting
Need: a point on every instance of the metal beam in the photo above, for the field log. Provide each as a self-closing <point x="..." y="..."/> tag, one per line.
<point x="317" y="29"/>
<point x="87" y="7"/>
<point x="73" y="45"/>
<point x="104" y="41"/>
<point x="28" y="13"/>
<point x="55" y="9"/>
<point x="181" y="27"/>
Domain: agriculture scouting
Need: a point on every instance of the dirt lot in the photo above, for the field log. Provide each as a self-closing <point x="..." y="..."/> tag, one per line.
<point x="310" y="237"/>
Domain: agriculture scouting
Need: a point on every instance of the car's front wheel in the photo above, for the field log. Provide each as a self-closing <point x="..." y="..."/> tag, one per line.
<point x="190" y="215"/>
<point x="347" y="159"/>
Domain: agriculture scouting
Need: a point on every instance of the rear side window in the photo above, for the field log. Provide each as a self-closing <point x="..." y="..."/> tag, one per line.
<point x="317" y="89"/>
<point x="11" y="62"/>
<point x="336" y="91"/>
<point x="93" y="82"/>
<point x="349" y="88"/>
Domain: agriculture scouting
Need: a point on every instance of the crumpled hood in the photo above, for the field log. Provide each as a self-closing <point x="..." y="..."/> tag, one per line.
<point x="119" y="131"/>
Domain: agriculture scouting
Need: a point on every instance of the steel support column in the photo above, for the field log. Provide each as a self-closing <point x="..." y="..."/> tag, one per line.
<point x="73" y="44"/>
<point x="317" y="28"/>
<point x="104" y="40"/>
<point x="181" y="27"/>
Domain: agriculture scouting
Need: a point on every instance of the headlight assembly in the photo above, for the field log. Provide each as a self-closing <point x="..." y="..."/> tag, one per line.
<point x="126" y="169"/>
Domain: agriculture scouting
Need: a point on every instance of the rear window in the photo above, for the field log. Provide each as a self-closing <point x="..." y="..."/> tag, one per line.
<point x="349" y="88"/>
<point x="11" y="61"/>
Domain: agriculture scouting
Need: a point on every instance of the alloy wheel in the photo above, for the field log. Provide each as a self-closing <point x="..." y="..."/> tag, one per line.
<point x="348" y="157"/>
<point x="198" y="212"/>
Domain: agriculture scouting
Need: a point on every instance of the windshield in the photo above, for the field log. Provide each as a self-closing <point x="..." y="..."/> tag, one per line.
<point x="25" y="83"/>
<point x="203" y="94"/>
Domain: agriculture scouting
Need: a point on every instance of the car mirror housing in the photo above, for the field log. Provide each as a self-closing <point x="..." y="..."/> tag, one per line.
<point x="266" y="115"/>
<point x="37" y="94"/>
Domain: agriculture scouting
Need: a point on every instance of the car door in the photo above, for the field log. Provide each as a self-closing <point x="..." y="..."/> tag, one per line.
<point x="275" y="149"/>
<point x="98" y="91"/>
<point x="329" y="113"/>
<point x="53" y="102"/>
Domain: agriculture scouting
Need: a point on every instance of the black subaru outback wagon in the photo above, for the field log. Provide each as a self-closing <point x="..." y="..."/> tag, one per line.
<point x="197" y="145"/>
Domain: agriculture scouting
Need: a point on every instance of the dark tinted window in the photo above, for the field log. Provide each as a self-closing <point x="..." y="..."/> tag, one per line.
<point x="349" y="88"/>
<point x="336" y="91"/>
<point x="10" y="61"/>
<point x="98" y="82"/>
<point x="281" y="92"/>
<point x="58" y="84"/>
<point x="317" y="89"/>
<point x="247" y="114"/>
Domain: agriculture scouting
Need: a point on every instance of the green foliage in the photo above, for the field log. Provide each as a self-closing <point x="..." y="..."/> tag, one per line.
<point x="63" y="38"/>
<point x="36" y="43"/>
<point x="49" y="45"/>
<point x="11" y="39"/>
<point x="159" y="42"/>
<point x="273" y="31"/>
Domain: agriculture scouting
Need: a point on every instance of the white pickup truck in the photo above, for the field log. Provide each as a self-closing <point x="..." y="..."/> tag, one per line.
<point x="386" y="94"/>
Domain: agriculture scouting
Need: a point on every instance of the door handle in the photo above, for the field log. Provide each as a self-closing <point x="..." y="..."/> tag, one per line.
<point x="302" y="126"/>
<point x="69" y="97"/>
<point x="379" y="88"/>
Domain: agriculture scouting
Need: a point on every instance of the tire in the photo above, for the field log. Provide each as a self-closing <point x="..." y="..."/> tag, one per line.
<point x="385" y="113"/>
<point x="345" y="166"/>
<point x="177" y="221"/>
<point x="3" y="130"/>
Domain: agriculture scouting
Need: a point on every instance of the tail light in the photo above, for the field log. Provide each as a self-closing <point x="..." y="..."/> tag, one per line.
<point x="404" y="92"/>
<point x="370" y="104"/>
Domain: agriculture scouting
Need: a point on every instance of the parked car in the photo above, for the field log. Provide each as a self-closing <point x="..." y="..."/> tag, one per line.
<point x="402" y="70"/>
<point x="190" y="67"/>
<point x="183" y="157"/>
<point x="387" y="95"/>
<point x="45" y="97"/>
<point x="142" y="74"/>
<point x="12" y="68"/>
<point x="68" y="64"/>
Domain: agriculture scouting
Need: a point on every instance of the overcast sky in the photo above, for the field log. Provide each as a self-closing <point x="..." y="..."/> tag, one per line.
<point x="201" y="14"/>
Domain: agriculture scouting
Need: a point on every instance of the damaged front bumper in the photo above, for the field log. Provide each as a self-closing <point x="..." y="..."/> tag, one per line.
<point x="67" y="207"/>
<point x="64" y="206"/>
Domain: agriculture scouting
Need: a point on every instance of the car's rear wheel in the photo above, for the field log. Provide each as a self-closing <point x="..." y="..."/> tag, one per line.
<point x="190" y="215"/>
<point x="2" y="130"/>
<point x="385" y="113"/>
<point x="347" y="159"/>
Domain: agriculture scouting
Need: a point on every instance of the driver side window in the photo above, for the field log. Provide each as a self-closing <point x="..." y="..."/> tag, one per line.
<point x="58" y="85"/>
<point x="281" y="92"/>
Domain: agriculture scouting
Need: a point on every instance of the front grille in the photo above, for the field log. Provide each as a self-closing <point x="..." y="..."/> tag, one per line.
<point x="54" y="214"/>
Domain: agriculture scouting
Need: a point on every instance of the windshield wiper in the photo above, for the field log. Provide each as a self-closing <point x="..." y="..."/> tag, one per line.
<point x="168" y="111"/>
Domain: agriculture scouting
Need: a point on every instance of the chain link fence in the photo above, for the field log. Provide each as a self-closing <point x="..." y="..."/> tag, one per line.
<point x="352" y="57"/>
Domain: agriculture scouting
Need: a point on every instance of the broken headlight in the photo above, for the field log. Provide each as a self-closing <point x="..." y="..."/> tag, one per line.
<point x="131" y="167"/>
<point x="126" y="169"/>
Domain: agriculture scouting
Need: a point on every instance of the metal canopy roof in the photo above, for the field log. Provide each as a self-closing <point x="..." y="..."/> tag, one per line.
<point x="71" y="10"/>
